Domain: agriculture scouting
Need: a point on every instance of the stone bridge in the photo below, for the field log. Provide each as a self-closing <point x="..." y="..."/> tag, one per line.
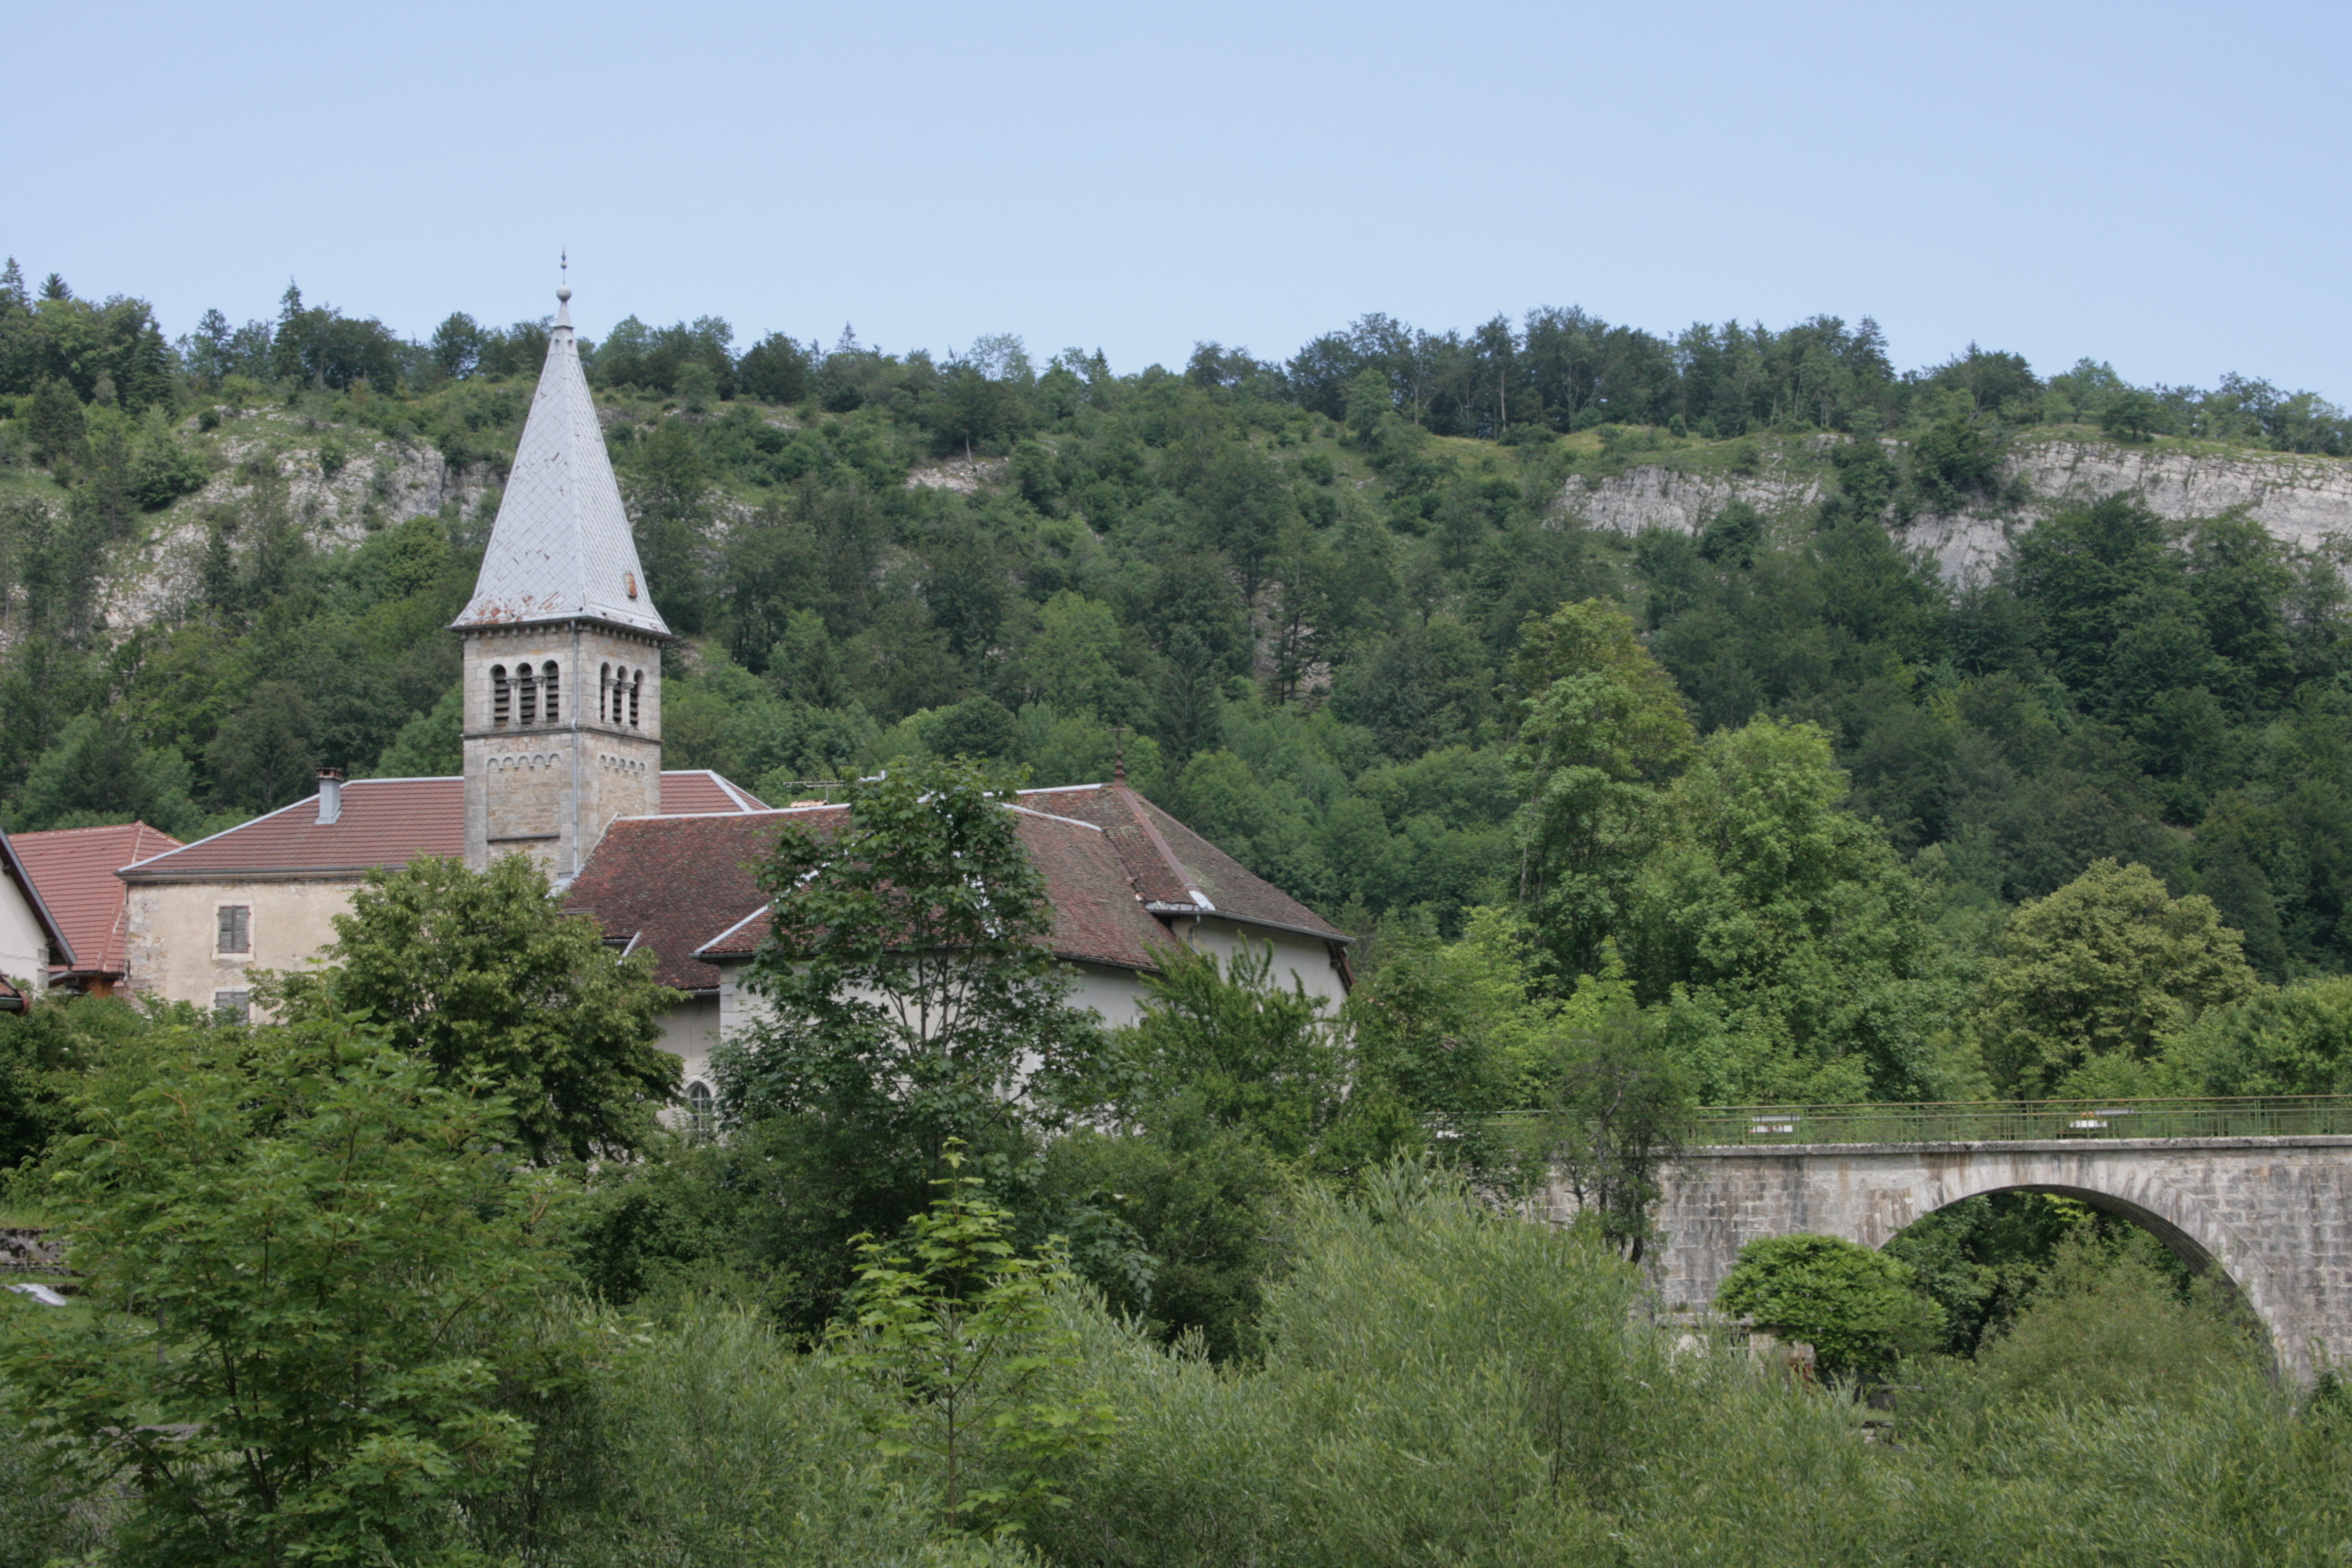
<point x="2273" y="1214"/>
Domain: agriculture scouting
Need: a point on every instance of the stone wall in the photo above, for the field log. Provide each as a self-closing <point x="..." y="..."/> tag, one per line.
<point x="2274" y="1214"/>
<point x="549" y="789"/>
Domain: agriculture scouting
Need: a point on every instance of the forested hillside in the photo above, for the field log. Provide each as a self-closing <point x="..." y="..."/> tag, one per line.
<point x="1302" y="590"/>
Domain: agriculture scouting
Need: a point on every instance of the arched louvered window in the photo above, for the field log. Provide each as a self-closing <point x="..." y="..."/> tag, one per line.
<point x="604" y="695"/>
<point x="526" y="695"/>
<point x="500" y="695"/>
<point x="547" y="679"/>
<point x="636" y="684"/>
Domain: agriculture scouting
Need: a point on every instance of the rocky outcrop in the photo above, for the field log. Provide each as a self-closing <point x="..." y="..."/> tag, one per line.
<point x="2304" y="502"/>
<point x="378" y="483"/>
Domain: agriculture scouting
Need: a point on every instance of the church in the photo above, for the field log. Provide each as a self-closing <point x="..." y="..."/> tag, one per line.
<point x="563" y="709"/>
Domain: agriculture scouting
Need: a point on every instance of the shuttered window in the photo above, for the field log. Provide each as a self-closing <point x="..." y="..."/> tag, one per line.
<point x="236" y="929"/>
<point x="232" y="1006"/>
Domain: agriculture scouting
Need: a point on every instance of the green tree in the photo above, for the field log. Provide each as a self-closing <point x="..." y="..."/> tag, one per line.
<point x="958" y="1329"/>
<point x="481" y="974"/>
<point x="1247" y="1053"/>
<point x="98" y="772"/>
<point x="1620" y="1117"/>
<point x="912" y="999"/>
<point x="1856" y="1307"/>
<point x="1793" y="945"/>
<point x="2130" y="415"/>
<point x="267" y="753"/>
<point x="1603" y="728"/>
<point x="2293" y="1040"/>
<point x="308" y="1267"/>
<point x="1073" y="660"/>
<point x="670" y="510"/>
<point x="56" y="424"/>
<point x="2090" y="979"/>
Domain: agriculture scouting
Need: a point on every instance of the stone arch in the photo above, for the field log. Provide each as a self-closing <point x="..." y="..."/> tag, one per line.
<point x="2188" y="1227"/>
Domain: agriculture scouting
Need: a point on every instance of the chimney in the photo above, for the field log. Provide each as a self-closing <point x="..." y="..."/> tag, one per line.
<point x="330" y="795"/>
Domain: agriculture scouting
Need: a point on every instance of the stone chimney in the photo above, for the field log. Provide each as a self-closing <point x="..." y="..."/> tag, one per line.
<point x="330" y="795"/>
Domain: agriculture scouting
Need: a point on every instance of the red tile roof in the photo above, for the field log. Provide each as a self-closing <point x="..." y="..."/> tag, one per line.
<point x="686" y="887"/>
<point x="383" y="822"/>
<point x="74" y="868"/>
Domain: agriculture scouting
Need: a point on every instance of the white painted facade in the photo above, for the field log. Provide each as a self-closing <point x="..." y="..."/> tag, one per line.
<point x="24" y="943"/>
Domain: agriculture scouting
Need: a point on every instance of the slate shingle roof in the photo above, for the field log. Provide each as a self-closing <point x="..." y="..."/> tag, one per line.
<point x="561" y="549"/>
<point x="74" y="868"/>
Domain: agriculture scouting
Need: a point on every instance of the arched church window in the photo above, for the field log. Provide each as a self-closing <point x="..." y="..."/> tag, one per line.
<point x="546" y="677"/>
<point x="525" y="694"/>
<point x="701" y="1113"/>
<point x="636" y="684"/>
<point x="604" y="695"/>
<point x="499" y="695"/>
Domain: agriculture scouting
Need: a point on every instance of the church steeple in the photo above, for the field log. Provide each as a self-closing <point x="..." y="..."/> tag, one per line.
<point x="561" y="549"/>
<point x="562" y="665"/>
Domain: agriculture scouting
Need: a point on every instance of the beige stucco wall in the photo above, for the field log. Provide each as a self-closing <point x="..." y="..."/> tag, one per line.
<point x="23" y="945"/>
<point x="175" y="925"/>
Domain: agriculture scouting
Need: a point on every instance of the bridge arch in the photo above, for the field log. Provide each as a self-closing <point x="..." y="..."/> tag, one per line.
<point x="2187" y="1228"/>
<point x="2273" y="1215"/>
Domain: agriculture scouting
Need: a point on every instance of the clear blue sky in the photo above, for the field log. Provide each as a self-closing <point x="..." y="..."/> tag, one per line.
<point x="2158" y="184"/>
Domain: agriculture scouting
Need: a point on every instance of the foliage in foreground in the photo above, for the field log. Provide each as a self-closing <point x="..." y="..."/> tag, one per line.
<point x="306" y="1272"/>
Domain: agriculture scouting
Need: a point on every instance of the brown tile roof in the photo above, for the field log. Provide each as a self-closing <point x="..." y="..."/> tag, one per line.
<point x="385" y="822"/>
<point x="74" y="868"/>
<point x="672" y="883"/>
<point x="1176" y="869"/>
<point x="1098" y="917"/>
<point x="685" y="886"/>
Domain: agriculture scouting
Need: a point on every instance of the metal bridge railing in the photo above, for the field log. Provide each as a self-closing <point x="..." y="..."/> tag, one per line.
<point x="1994" y="1121"/>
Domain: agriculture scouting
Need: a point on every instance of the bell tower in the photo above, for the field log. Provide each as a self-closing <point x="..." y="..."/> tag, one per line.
<point x="562" y="663"/>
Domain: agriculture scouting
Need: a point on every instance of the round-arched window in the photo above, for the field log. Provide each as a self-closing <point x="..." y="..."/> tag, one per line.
<point x="701" y="1112"/>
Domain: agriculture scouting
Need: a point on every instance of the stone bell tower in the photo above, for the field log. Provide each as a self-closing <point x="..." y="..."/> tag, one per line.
<point x="562" y="667"/>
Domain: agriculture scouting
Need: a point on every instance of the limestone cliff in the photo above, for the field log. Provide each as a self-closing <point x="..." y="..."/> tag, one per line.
<point x="2302" y="500"/>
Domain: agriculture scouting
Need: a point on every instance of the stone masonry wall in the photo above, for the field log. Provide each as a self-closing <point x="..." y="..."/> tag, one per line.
<point x="2273" y="1214"/>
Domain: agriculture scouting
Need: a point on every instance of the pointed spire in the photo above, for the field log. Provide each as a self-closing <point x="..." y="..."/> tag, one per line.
<point x="562" y="549"/>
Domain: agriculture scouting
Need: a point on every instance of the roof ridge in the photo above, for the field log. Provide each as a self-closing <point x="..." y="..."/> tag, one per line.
<point x="1136" y="804"/>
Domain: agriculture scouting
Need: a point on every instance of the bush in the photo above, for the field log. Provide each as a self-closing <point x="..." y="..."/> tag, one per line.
<point x="1855" y="1307"/>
